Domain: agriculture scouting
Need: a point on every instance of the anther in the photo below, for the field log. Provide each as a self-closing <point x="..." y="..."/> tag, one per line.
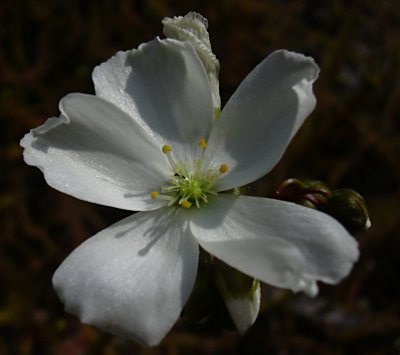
<point x="203" y="143"/>
<point x="166" y="148"/>
<point x="223" y="168"/>
<point x="154" y="195"/>
<point x="186" y="204"/>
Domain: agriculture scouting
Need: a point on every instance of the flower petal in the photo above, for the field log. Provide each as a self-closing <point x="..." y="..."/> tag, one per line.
<point x="277" y="242"/>
<point x="95" y="152"/>
<point x="193" y="28"/>
<point x="133" y="278"/>
<point x="261" y="118"/>
<point x="164" y="87"/>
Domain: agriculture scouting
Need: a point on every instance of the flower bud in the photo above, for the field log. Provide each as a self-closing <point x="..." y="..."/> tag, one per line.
<point x="309" y="193"/>
<point x="349" y="208"/>
<point x="346" y="205"/>
<point x="241" y="294"/>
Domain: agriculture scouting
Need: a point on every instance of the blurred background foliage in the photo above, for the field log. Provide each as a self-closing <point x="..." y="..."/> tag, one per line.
<point x="48" y="48"/>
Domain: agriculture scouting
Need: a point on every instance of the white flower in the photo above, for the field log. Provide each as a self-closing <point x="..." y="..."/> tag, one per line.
<point x="147" y="141"/>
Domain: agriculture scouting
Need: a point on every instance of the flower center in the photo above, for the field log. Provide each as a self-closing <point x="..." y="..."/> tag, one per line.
<point x="189" y="184"/>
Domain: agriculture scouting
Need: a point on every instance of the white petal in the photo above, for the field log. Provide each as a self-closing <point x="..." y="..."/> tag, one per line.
<point x="133" y="278"/>
<point x="193" y="28"/>
<point x="277" y="242"/>
<point x="164" y="86"/>
<point x="261" y="118"/>
<point x="95" y="152"/>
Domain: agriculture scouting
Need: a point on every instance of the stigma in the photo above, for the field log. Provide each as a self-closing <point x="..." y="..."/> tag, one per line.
<point x="189" y="184"/>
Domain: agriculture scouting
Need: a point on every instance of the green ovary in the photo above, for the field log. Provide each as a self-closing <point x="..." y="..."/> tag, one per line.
<point x="189" y="190"/>
<point x="189" y="185"/>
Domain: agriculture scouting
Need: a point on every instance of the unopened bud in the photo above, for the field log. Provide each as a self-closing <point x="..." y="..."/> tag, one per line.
<point x="349" y="208"/>
<point x="346" y="205"/>
<point x="241" y="295"/>
<point x="309" y="193"/>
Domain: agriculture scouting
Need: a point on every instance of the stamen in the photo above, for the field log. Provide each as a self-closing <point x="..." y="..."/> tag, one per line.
<point x="166" y="149"/>
<point x="203" y="143"/>
<point x="223" y="168"/>
<point x="186" y="204"/>
<point x="154" y="195"/>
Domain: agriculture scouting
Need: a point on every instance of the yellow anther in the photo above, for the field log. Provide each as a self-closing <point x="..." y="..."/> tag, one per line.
<point x="186" y="204"/>
<point x="154" y="195"/>
<point x="166" y="148"/>
<point x="223" y="168"/>
<point x="203" y="143"/>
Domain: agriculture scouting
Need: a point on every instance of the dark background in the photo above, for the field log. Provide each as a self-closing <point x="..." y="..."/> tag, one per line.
<point x="49" y="48"/>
